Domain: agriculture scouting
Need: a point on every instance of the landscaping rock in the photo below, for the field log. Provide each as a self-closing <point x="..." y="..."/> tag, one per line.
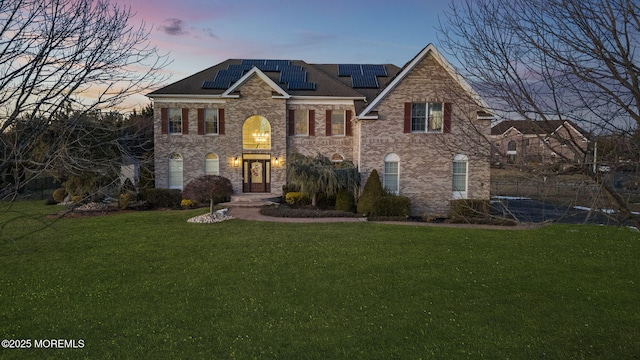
<point x="218" y="216"/>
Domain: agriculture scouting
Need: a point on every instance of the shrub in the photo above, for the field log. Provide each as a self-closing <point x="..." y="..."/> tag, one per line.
<point x="209" y="188"/>
<point x="370" y="194"/>
<point x="392" y="205"/>
<point x="297" y="198"/>
<point x="345" y="201"/>
<point x="283" y="210"/>
<point x="162" y="198"/>
<point x="59" y="194"/>
<point x="469" y="208"/>
<point x="125" y="199"/>
<point x="188" y="203"/>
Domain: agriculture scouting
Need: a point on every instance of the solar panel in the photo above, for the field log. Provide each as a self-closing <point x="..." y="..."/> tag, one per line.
<point x="223" y="79"/>
<point x="266" y="65"/>
<point x="293" y="75"/>
<point x="349" y="69"/>
<point x="243" y="67"/>
<point x="253" y="62"/>
<point x="364" y="81"/>
<point x="277" y="64"/>
<point x="208" y="85"/>
<point x="301" y="86"/>
<point x="376" y="70"/>
<point x="291" y="68"/>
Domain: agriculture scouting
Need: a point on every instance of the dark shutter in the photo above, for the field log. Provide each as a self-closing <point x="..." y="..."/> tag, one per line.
<point x="164" y="120"/>
<point x="348" y="124"/>
<point x="200" y="121"/>
<point x="221" y="121"/>
<point x="407" y="117"/>
<point x="446" y="128"/>
<point x="312" y="123"/>
<point x="328" y="123"/>
<point x="185" y="121"/>
<point x="292" y="122"/>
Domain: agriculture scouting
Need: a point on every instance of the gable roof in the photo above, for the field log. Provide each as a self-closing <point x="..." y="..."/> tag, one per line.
<point x="429" y="49"/>
<point x="254" y="71"/>
<point x="328" y="83"/>
<point x="531" y="127"/>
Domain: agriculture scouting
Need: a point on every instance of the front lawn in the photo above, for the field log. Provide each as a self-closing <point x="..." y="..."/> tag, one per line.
<point x="149" y="285"/>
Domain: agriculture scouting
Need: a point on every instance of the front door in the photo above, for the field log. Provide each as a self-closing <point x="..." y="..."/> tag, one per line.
<point x="257" y="175"/>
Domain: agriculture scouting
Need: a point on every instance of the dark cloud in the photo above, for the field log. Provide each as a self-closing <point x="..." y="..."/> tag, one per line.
<point x="175" y="27"/>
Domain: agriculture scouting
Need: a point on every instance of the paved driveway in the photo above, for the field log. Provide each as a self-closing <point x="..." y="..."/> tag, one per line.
<point x="527" y="210"/>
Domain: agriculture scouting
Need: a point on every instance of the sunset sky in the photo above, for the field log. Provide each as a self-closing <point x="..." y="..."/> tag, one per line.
<point x="198" y="34"/>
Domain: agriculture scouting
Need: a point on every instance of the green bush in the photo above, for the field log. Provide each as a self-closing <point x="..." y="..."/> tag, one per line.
<point x="370" y="194"/>
<point x="59" y="194"/>
<point x="126" y="198"/>
<point x="392" y="205"/>
<point x="297" y="198"/>
<point x="345" y="201"/>
<point x="162" y="198"/>
<point x="469" y="208"/>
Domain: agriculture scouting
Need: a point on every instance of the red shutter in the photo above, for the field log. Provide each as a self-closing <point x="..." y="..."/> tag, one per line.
<point x="200" y="121"/>
<point x="185" y="121"/>
<point x="312" y="123"/>
<point x="164" y="120"/>
<point x="221" y="121"/>
<point x="407" y="117"/>
<point x="446" y="128"/>
<point x="328" y="123"/>
<point x="292" y="122"/>
<point x="348" y="124"/>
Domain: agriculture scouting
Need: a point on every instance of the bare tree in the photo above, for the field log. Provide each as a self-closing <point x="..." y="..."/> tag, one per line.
<point x="544" y="60"/>
<point x="57" y="55"/>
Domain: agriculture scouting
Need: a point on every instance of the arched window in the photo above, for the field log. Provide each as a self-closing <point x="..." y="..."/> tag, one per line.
<point x="337" y="158"/>
<point x="175" y="171"/>
<point x="391" y="176"/>
<point x="211" y="164"/>
<point x="511" y="146"/>
<point x="459" y="176"/>
<point x="256" y="133"/>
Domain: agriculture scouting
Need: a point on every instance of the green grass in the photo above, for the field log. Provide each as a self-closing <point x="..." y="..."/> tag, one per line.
<point x="149" y="285"/>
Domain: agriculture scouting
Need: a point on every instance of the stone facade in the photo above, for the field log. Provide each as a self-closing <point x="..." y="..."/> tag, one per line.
<point x="425" y="159"/>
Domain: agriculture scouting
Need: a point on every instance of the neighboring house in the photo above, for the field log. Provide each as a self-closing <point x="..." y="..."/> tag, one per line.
<point x="241" y="118"/>
<point x="545" y="142"/>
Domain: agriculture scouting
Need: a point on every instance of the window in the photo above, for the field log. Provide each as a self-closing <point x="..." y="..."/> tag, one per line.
<point x="459" y="178"/>
<point x="211" y="164"/>
<point x="337" y="123"/>
<point x="336" y="159"/>
<point x="175" y="171"/>
<point x="426" y="117"/>
<point x="301" y="122"/>
<point x="211" y="121"/>
<point x="256" y="133"/>
<point x="175" y="121"/>
<point x="391" y="176"/>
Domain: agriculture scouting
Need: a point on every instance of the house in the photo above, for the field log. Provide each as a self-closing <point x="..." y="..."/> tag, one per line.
<point x="545" y="142"/>
<point x="416" y="125"/>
